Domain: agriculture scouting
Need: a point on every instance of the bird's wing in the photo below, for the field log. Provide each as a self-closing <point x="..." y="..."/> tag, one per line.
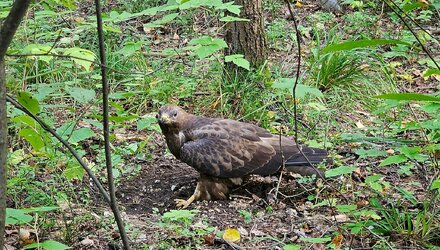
<point x="226" y="148"/>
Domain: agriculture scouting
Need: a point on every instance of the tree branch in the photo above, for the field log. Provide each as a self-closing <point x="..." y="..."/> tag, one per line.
<point x="64" y="142"/>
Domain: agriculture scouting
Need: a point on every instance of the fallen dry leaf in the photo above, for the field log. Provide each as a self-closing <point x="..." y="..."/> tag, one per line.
<point x="337" y="241"/>
<point x="231" y="235"/>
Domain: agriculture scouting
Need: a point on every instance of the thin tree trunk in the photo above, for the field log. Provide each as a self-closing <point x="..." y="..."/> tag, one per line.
<point x="247" y="38"/>
<point x="7" y="31"/>
<point x="3" y="151"/>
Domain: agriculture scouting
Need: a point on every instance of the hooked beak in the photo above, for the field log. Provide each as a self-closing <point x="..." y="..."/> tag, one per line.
<point x="164" y="119"/>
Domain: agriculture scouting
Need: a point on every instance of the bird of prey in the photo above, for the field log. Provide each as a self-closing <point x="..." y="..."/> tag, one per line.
<point x="224" y="151"/>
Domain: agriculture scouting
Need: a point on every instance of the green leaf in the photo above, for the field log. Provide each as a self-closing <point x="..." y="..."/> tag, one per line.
<point x="373" y="178"/>
<point x="206" y="46"/>
<point x="74" y="172"/>
<point x="81" y="95"/>
<point x="315" y="240"/>
<point x="38" y="49"/>
<point x="360" y="44"/>
<point x="368" y="214"/>
<point x="83" y="57"/>
<point x="408" y="97"/>
<point x="147" y="122"/>
<point x="411" y="6"/>
<point x="339" y="171"/>
<point x="407" y="195"/>
<point x="435" y="184"/>
<point x="430" y="72"/>
<point x="238" y="60"/>
<point x="39" y="209"/>
<point x="370" y="153"/>
<point x="29" y="102"/>
<point x="164" y="20"/>
<point x="394" y="159"/>
<point x="81" y="134"/>
<point x="31" y="136"/>
<point x="346" y="208"/>
<point x="17" y="217"/>
<point x="174" y="215"/>
<point x="431" y="107"/>
<point x="47" y="245"/>
<point x="301" y="89"/>
<point x="130" y="48"/>
<point x="233" y="19"/>
<point x="292" y="247"/>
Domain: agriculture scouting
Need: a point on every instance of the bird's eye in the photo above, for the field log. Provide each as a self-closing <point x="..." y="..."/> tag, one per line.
<point x="174" y="114"/>
<point x="157" y="116"/>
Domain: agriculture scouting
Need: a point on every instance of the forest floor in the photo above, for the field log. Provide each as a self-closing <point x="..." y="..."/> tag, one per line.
<point x="266" y="214"/>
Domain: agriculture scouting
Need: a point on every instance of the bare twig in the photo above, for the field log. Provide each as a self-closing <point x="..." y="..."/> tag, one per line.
<point x="64" y="142"/>
<point x="295" y="113"/>
<point x="414" y="34"/>
<point x="105" y="121"/>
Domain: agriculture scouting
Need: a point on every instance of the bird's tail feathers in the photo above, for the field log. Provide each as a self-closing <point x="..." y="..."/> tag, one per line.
<point x="299" y="164"/>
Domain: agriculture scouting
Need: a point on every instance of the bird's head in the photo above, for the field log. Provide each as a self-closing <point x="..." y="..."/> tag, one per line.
<point x="171" y="116"/>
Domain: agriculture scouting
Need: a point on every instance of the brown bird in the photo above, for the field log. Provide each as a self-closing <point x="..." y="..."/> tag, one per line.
<point x="224" y="151"/>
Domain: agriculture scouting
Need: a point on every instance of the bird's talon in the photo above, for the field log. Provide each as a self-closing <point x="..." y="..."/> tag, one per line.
<point x="181" y="203"/>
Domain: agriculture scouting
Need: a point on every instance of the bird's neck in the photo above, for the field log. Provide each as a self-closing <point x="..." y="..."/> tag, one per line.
<point x="176" y="136"/>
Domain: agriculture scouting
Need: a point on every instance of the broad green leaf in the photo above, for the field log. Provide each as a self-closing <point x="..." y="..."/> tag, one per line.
<point x="81" y="134"/>
<point x="174" y="215"/>
<point x="373" y="178"/>
<point x="367" y="214"/>
<point x="432" y="107"/>
<point x="130" y="48"/>
<point x="29" y="102"/>
<point x="394" y="159"/>
<point x="430" y="72"/>
<point x="17" y="217"/>
<point x="81" y="57"/>
<point x="411" y="6"/>
<point x="292" y="247"/>
<point x="408" y="97"/>
<point x="339" y="171"/>
<point x="81" y="95"/>
<point x="25" y="119"/>
<point x="31" y="136"/>
<point x="38" y="49"/>
<point x="66" y="129"/>
<point x="238" y="60"/>
<point x="346" y="208"/>
<point x="301" y="89"/>
<point x="315" y="240"/>
<point x="231" y="7"/>
<point x="413" y="153"/>
<point x="233" y="19"/>
<point x="164" y="20"/>
<point x="435" y="184"/>
<point x="74" y="172"/>
<point x="206" y="46"/>
<point x="360" y="44"/>
<point x="147" y="122"/>
<point x="370" y="153"/>
<point x="47" y="245"/>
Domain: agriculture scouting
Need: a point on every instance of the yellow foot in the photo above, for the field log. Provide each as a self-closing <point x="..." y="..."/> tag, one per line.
<point x="182" y="204"/>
